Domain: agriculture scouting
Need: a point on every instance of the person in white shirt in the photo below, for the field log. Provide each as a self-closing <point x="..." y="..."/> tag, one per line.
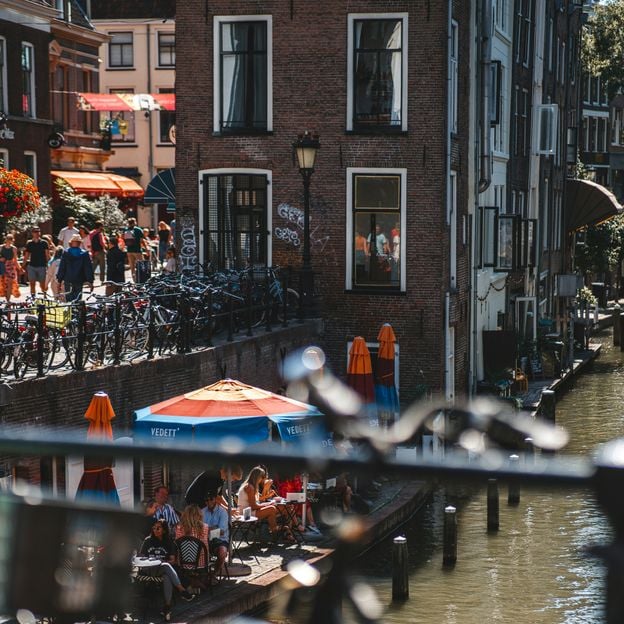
<point x="65" y="235"/>
<point x="217" y="518"/>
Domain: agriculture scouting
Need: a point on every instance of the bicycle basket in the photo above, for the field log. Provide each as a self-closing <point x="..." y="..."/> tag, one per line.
<point x="57" y="314"/>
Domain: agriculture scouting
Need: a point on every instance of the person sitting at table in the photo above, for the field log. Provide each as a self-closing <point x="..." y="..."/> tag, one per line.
<point x="295" y="484"/>
<point x="192" y="524"/>
<point x="158" y="545"/>
<point x="212" y="482"/>
<point x="217" y="518"/>
<point x="165" y="511"/>
<point x="266" y="489"/>
<point x="248" y="497"/>
<point x="150" y="507"/>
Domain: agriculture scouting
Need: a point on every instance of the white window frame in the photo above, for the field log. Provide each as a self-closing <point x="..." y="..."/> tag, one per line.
<point x="108" y="60"/>
<point x="34" y="157"/>
<point x="32" y="114"/>
<point x="351" y="18"/>
<point x="269" y="203"/>
<point x="4" y="103"/>
<point x="158" y="35"/>
<point x="501" y="16"/>
<point x="216" y="63"/>
<point x="351" y="171"/>
<point x="453" y="230"/>
<point x="4" y="156"/>
<point x="550" y="148"/>
<point x="453" y="75"/>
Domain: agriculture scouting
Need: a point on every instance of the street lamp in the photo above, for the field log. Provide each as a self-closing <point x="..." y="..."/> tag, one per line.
<point x="305" y="148"/>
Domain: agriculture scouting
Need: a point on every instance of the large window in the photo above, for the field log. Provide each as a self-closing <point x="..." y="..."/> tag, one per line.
<point x="453" y="71"/>
<point x="375" y="229"/>
<point x="377" y="72"/>
<point x="28" y="80"/>
<point x="4" y="158"/>
<point x="3" y="77"/>
<point x="235" y="220"/>
<point x="122" y="124"/>
<point x="121" y="50"/>
<point x="166" y="120"/>
<point x="547" y="120"/>
<point x="30" y="165"/>
<point x="166" y="49"/>
<point x="243" y="74"/>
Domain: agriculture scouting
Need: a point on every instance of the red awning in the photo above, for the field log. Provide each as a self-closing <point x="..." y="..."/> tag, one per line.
<point x="97" y="183"/>
<point x="124" y="102"/>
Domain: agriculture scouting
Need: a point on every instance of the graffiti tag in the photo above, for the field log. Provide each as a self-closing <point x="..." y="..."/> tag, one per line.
<point x="188" y="249"/>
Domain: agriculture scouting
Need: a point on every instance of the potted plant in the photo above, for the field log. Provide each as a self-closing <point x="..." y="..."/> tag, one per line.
<point x="18" y="193"/>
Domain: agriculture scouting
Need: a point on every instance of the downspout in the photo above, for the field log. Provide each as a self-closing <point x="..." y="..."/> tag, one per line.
<point x="485" y="157"/>
<point x="150" y="158"/>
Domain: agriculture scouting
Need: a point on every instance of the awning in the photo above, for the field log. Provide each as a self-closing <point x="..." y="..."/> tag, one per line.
<point x="588" y="203"/>
<point x="97" y="183"/>
<point x="119" y="102"/>
<point x="161" y="189"/>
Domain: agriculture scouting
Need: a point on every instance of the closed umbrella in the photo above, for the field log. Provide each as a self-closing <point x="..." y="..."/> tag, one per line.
<point x="360" y="377"/>
<point x="97" y="482"/>
<point x="385" y="386"/>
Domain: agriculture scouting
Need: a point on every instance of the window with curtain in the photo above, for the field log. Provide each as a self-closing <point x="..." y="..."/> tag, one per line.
<point x="166" y="49"/>
<point x="377" y="243"/>
<point x="243" y="68"/>
<point x="121" y="50"/>
<point x="377" y="73"/>
<point x="28" y="80"/>
<point x="235" y="220"/>
<point x="166" y="119"/>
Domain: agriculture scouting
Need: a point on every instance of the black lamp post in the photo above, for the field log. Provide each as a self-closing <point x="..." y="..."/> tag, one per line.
<point x="305" y="148"/>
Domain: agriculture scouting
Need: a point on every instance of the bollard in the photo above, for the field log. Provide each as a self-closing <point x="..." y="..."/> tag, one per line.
<point x="617" y="335"/>
<point x="449" y="556"/>
<point x="400" y="578"/>
<point x="529" y="451"/>
<point x="548" y="402"/>
<point x="621" y="319"/>
<point x="492" y="505"/>
<point x="513" y="495"/>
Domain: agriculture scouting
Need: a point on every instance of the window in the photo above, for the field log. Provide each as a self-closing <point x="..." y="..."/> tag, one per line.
<point x="122" y="124"/>
<point x="166" y="49"/>
<point x="4" y="106"/>
<point x="523" y="32"/>
<point x="487" y="223"/>
<point x="4" y="158"/>
<point x="495" y="92"/>
<point x="500" y="131"/>
<point x="601" y="144"/>
<point x="121" y="50"/>
<point x="375" y="228"/>
<point x="28" y="80"/>
<point x="166" y="120"/>
<point x="501" y="11"/>
<point x="521" y="122"/>
<point x="547" y="129"/>
<point x="235" y="220"/>
<point x="453" y="76"/>
<point x="30" y="165"/>
<point x="243" y="74"/>
<point x="377" y="72"/>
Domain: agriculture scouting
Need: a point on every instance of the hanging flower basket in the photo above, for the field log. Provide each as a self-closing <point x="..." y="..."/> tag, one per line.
<point x="18" y="193"/>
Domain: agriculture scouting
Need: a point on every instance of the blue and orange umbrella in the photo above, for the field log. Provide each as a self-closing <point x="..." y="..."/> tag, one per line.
<point x="97" y="482"/>
<point x="360" y="377"/>
<point x="385" y="387"/>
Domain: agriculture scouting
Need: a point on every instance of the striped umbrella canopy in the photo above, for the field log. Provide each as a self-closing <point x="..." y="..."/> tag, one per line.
<point x="97" y="482"/>
<point x="385" y="386"/>
<point x="360" y="376"/>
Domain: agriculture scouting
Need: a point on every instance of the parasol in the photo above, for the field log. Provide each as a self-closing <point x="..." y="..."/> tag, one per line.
<point x="360" y="377"/>
<point x="385" y="387"/>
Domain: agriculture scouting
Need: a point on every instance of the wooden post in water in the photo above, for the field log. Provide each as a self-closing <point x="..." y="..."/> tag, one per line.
<point x="492" y="505"/>
<point x="529" y="451"/>
<point x="513" y="495"/>
<point x="617" y="336"/>
<point x="549" y="401"/>
<point x="449" y="556"/>
<point x="621" y="319"/>
<point x="400" y="578"/>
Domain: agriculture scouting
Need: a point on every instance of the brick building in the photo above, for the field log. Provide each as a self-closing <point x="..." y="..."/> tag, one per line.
<point x="386" y="87"/>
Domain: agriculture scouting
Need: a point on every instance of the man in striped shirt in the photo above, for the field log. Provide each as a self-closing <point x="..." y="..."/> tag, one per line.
<point x="165" y="511"/>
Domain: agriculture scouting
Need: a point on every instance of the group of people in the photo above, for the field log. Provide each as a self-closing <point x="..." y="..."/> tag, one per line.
<point x="65" y="268"/>
<point x="378" y="256"/>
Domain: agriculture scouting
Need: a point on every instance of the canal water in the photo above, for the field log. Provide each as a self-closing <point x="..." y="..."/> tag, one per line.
<point x="533" y="571"/>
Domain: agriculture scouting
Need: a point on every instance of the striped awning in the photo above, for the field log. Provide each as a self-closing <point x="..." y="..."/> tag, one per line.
<point x="126" y="102"/>
<point x="97" y="183"/>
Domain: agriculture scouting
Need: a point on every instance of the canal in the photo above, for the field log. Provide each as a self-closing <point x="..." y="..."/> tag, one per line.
<point x="534" y="569"/>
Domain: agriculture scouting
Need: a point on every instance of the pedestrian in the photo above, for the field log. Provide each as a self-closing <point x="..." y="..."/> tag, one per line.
<point x="115" y="267"/>
<point x="10" y="269"/>
<point x="65" y="235"/>
<point x="51" y="271"/>
<point x="98" y="249"/>
<point x="36" y="256"/>
<point x="75" y="269"/>
<point x="86" y="239"/>
<point x="133" y="236"/>
<point x="171" y="264"/>
<point x="164" y="240"/>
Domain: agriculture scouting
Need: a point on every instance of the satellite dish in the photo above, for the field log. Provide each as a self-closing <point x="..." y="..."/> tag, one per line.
<point x="56" y="140"/>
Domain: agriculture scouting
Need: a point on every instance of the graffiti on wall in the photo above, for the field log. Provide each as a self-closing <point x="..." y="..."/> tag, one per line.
<point x="292" y="235"/>
<point x="188" y="247"/>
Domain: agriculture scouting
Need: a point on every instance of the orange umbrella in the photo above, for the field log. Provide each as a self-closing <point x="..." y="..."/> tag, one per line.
<point x="360" y="370"/>
<point x="99" y="414"/>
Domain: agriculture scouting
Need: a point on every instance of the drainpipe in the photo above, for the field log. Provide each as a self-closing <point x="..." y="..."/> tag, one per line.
<point x="485" y="159"/>
<point x="150" y="158"/>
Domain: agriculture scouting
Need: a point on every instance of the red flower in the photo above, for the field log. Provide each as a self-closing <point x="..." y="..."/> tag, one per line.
<point x="18" y="193"/>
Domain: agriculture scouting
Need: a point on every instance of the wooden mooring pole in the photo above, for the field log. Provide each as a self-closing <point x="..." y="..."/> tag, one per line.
<point x="449" y="556"/>
<point x="549" y="400"/>
<point x="617" y="335"/>
<point x="492" y="505"/>
<point x="400" y="577"/>
<point x="513" y="495"/>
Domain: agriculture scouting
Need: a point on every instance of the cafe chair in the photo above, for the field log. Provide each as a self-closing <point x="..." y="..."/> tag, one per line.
<point x="148" y="590"/>
<point x="193" y="562"/>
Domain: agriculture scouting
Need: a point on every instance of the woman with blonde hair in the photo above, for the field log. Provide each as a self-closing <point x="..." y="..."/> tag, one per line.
<point x="192" y="524"/>
<point x="11" y="269"/>
<point x="164" y="240"/>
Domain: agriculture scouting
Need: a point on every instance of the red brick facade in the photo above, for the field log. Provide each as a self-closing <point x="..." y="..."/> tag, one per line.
<point x="310" y="92"/>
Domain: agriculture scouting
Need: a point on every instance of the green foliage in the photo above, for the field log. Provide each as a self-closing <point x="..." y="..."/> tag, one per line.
<point x="603" y="248"/>
<point x="27" y="220"/>
<point x="603" y="45"/>
<point x="585" y="295"/>
<point x="87" y="211"/>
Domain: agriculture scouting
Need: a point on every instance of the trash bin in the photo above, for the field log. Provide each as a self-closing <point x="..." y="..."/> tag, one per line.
<point x="600" y="292"/>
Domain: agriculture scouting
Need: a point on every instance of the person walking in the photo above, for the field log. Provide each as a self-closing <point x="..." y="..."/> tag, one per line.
<point x="51" y="271"/>
<point x="133" y="236"/>
<point x="11" y="269"/>
<point x="75" y="270"/>
<point x="115" y="267"/>
<point x="98" y="249"/>
<point x="164" y="240"/>
<point x="36" y="257"/>
<point x="66" y="234"/>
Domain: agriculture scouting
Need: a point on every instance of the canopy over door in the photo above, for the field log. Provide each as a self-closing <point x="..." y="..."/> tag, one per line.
<point x="97" y="183"/>
<point x="161" y="189"/>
